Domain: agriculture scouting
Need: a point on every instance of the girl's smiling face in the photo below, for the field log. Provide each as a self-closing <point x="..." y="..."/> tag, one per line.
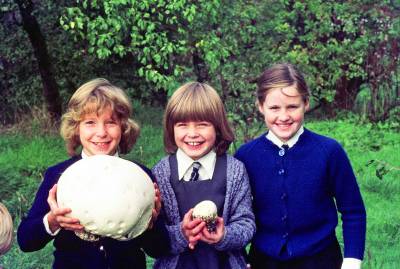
<point x="195" y="138"/>
<point x="283" y="111"/>
<point x="100" y="133"/>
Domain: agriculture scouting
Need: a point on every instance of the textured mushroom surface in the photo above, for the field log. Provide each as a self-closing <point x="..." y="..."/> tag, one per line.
<point x="206" y="211"/>
<point x="110" y="196"/>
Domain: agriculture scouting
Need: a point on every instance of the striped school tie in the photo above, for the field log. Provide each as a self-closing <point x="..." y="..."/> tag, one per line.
<point x="195" y="172"/>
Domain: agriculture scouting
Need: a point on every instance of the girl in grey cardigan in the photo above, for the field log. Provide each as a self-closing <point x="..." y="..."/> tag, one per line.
<point x="197" y="135"/>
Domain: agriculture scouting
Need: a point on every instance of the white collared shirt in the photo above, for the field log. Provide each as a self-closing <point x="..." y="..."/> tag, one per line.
<point x="185" y="165"/>
<point x="291" y="142"/>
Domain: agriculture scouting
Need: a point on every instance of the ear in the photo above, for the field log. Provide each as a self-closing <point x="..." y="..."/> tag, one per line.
<point x="260" y="107"/>
<point x="307" y="104"/>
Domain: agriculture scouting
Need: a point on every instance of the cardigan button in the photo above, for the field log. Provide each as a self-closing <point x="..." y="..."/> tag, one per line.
<point x="284" y="218"/>
<point x="281" y="152"/>
<point x="101" y="248"/>
<point x="283" y="196"/>
<point x="281" y="171"/>
<point x="285" y="235"/>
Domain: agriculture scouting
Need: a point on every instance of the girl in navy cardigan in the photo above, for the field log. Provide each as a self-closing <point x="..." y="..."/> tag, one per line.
<point x="299" y="181"/>
<point x="197" y="135"/>
<point x="98" y="121"/>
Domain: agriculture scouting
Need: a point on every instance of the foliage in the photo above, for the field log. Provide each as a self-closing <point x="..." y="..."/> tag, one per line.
<point x="150" y="47"/>
<point x="149" y="33"/>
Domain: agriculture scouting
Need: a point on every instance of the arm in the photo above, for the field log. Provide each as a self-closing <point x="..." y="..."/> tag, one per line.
<point x="178" y="242"/>
<point x="349" y="203"/>
<point x="31" y="233"/>
<point x="240" y="225"/>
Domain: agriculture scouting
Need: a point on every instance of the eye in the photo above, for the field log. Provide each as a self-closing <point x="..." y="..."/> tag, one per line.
<point x="111" y="122"/>
<point x="293" y="107"/>
<point x="180" y="124"/>
<point x="204" y="124"/>
<point x="88" y="122"/>
<point x="274" y="108"/>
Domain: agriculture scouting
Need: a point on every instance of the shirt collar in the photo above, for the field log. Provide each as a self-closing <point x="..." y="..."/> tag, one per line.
<point x="84" y="155"/>
<point x="291" y="142"/>
<point x="185" y="162"/>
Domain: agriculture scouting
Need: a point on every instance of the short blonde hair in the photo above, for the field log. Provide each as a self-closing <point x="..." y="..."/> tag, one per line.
<point x="6" y="230"/>
<point x="93" y="97"/>
<point x="281" y="76"/>
<point x="195" y="101"/>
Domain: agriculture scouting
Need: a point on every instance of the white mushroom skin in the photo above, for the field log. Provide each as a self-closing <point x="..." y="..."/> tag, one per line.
<point x="206" y="211"/>
<point x="110" y="196"/>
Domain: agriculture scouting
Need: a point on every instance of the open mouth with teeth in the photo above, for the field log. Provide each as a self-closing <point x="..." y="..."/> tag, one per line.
<point x="194" y="144"/>
<point x="101" y="145"/>
<point x="283" y="125"/>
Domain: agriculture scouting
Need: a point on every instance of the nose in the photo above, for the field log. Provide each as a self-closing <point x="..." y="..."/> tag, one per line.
<point x="284" y="116"/>
<point x="101" y="130"/>
<point x="192" y="132"/>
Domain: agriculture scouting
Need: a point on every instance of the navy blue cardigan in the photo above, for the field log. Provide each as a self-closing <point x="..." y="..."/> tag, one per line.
<point x="294" y="196"/>
<point x="72" y="252"/>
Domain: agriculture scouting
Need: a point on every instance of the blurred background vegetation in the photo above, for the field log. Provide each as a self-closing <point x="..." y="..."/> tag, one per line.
<point x="348" y="50"/>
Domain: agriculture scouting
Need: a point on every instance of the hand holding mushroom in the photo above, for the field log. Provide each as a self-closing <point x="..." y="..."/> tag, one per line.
<point x="56" y="217"/>
<point x="192" y="228"/>
<point x="157" y="207"/>
<point x="215" y="228"/>
<point x="215" y="236"/>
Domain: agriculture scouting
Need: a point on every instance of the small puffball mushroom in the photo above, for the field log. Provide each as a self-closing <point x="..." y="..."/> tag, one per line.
<point x="206" y="211"/>
<point x="110" y="196"/>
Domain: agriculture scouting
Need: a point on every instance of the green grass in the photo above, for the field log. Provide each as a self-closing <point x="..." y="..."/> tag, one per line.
<point x="24" y="157"/>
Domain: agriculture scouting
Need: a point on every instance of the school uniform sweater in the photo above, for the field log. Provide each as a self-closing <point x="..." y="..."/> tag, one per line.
<point x="297" y="193"/>
<point x="237" y="214"/>
<point x="73" y="252"/>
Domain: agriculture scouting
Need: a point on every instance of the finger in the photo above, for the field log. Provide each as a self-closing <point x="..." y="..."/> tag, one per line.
<point x="72" y="227"/>
<point x="188" y="216"/>
<point x="197" y="228"/>
<point x="194" y="238"/>
<point x="60" y="211"/>
<point x="66" y="220"/>
<point x="51" y="199"/>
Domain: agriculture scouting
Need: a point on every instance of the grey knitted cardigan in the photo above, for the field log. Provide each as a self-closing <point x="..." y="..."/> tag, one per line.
<point x="237" y="214"/>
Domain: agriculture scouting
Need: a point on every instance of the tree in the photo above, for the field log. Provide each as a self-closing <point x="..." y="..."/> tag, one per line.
<point x="152" y="34"/>
<point x="50" y="88"/>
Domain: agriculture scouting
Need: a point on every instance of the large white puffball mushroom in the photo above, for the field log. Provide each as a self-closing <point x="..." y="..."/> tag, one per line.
<point x="110" y="196"/>
<point x="206" y="211"/>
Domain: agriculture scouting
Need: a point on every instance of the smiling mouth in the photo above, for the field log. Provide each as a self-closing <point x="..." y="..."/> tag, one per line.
<point x="284" y="125"/>
<point x="194" y="143"/>
<point x="101" y="143"/>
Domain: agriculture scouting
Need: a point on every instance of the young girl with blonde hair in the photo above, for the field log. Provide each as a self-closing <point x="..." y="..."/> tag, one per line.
<point x="197" y="136"/>
<point x="97" y="122"/>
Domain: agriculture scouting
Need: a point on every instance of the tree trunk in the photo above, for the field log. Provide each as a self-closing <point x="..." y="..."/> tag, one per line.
<point x="346" y="93"/>
<point x="200" y="67"/>
<point x="50" y="88"/>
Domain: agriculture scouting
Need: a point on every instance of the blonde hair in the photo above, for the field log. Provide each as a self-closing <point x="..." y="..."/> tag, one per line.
<point x="281" y="76"/>
<point x="94" y="97"/>
<point x="195" y="101"/>
<point x="6" y="230"/>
